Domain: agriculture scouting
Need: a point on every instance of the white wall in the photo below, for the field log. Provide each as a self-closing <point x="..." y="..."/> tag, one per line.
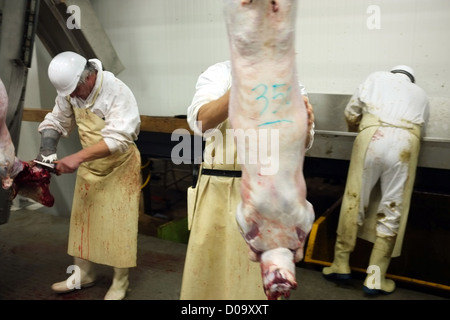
<point x="165" y="45"/>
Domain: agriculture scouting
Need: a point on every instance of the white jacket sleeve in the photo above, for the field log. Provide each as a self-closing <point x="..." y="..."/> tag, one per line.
<point x="211" y="85"/>
<point x="60" y="119"/>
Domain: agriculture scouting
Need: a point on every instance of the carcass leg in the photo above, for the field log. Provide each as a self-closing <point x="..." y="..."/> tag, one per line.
<point x="278" y="273"/>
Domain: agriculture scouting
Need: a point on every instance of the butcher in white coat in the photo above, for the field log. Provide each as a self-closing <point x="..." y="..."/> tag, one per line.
<point x="389" y="111"/>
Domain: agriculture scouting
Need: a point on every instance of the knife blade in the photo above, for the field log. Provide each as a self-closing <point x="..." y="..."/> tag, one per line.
<point x="45" y="164"/>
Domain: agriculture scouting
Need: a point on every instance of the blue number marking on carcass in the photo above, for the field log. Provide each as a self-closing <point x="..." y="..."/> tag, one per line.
<point x="280" y="94"/>
<point x="262" y="96"/>
<point x="273" y="122"/>
<point x="284" y="96"/>
<point x="275" y="95"/>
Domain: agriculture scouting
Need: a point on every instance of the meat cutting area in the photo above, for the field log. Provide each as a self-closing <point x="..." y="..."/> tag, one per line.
<point x="224" y="151"/>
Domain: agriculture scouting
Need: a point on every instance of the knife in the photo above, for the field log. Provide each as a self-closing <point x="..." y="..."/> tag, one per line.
<point x="50" y="166"/>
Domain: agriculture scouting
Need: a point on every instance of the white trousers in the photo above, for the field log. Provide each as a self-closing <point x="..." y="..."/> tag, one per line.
<point x="387" y="160"/>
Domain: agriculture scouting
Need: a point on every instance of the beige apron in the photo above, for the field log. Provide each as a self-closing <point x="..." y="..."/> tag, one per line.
<point x="351" y="200"/>
<point x="217" y="266"/>
<point x="105" y="209"/>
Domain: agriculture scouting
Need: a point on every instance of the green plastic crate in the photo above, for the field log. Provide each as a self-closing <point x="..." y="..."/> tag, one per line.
<point x="176" y="231"/>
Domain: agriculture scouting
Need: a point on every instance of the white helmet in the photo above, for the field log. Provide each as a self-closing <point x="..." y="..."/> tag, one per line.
<point x="65" y="70"/>
<point x="405" y="70"/>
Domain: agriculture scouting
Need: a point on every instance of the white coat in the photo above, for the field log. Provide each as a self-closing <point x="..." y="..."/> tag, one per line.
<point x="217" y="265"/>
<point x="392" y="112"/>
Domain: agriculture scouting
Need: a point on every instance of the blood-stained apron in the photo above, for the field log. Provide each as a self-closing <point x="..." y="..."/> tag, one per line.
<point x="217" y="265"/>
<point x="350" y="208"/>
<point x="105" y="209"/>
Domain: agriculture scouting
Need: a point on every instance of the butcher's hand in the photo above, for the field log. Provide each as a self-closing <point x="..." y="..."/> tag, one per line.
<point x="49" y="142"/>
<point x="68" y="164"/>
<point x="71" y="163"/>
<point x="310" y="111"/>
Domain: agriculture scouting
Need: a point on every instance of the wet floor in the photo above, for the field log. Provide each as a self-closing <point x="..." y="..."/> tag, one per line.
<point x="33" y="255"/>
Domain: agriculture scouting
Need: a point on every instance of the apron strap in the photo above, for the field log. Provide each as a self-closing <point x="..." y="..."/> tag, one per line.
<point x="369" y="120"/>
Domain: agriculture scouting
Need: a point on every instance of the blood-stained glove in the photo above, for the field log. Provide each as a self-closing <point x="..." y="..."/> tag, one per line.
<point x="49" y="142"/>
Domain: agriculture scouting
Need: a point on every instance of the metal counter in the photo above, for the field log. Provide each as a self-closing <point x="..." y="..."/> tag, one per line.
<point x="333" y="141"/>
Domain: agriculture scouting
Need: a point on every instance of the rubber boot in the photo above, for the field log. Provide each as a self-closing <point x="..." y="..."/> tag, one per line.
<point x="381" y="257"/>
<point x="347" y="232"/>
<point x="86" y="277"/>
<point x="119" y="286"/>
<point x="340" y="268"/>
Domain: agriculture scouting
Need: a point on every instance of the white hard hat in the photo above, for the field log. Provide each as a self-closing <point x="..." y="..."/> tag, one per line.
<point x="405" y="70"/>
<point x="65" y="70"/>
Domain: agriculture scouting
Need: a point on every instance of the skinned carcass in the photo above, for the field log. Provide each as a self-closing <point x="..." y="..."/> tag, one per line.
<point x="24" y="178"/>
<point x="270" y="123"/>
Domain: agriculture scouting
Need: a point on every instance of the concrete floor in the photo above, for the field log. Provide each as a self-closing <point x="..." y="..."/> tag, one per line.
<point x="33" y="256"/>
